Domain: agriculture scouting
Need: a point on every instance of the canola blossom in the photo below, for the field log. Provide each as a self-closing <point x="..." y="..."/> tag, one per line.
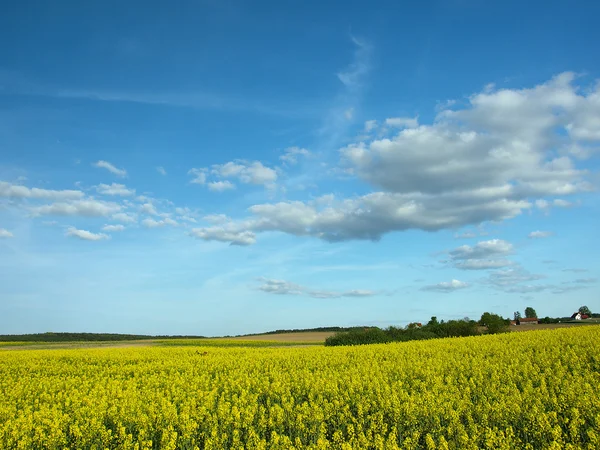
<point x="535" y="390"/>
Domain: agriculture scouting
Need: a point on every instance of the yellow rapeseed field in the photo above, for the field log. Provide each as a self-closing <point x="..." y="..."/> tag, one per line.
<point x="536" y="390"/>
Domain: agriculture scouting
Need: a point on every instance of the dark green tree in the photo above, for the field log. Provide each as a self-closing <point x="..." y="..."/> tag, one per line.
<point x="530" y="313"/>
<point x="517" y="315"/>
<point x="494" y="323"/>
<point x="585" y="310"/>
<point x="433" y="321"/>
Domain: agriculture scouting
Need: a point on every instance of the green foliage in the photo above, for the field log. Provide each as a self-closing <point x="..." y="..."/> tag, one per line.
<point x="494" y="323"/>
<point x="548" y="320"/>
<point x="530" y="313"/>
<point x="517" y="315"/>
<point x="372" y="335"/>
<point x="433" y="330"/>
<point x="585" y="310"/>
<point x="231" y="343"/>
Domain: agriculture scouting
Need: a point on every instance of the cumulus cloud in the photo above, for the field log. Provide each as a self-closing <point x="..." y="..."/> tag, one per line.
<point x="484" y="249"/>
<point x="216" y="218"/>
<point x="244" y="171"/>
<point x="85" y="235"/>
<point x="124" y="217"/>
<point x="482" y="264"/>
<point x="161" y="170"/>
<point x="112" y="228"/>
<point x="85" y="208"/>
<point x="503" y="154"/>
<point x="220" y="186"/>
<point x="151" y="223"/>
<point x="291" y="155"/>
<point x="403" y="122"/>
<point x="11" y="190"/>
<point x="370" y="125"/>
<point x="446" y="286"/>
<point x="280" y="287"/>
<point x="4" y="233"/>
<point x="465" y="235"/>
<point x="539" y="234"/>
<point x="515" y="280"/>
<point x="283" y="287"/>
<point x="224" y="234"/>
<point x="111" y="168"/>
<point x="115" y="189"/>
<point x="199" y="175"/>
<point x="247" y="172"/>
<point x="149" y="208"/>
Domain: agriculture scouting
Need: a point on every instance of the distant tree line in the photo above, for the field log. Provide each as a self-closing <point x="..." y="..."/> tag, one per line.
<point x="84" y="337"/>
<point x="434" y="329"/>
<point x="301" y="330"/>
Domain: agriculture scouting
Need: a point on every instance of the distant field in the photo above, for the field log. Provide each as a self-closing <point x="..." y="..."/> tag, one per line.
<point x="550" y="326"/>
<point x="302" y="338"/>
<point x="307" y="336"/>
<point x="513" y="390"/>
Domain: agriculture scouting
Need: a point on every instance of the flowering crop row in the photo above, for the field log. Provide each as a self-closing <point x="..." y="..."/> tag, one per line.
<point x="534" y="390"/>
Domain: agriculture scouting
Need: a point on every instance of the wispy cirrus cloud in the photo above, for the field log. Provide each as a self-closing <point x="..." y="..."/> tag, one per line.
<point x="115" y="189"/>
<point x="11" y="190"/>
<point x="284" y="287"/>
<point x="85" y="235"/>
<point x="111" y="168"/>
<point x="4" y="233"/>
<point x="539" y="234"/>
<point x="446" y="286"/>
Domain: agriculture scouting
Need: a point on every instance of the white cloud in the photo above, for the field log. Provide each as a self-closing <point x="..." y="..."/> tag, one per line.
<point x="283" y="287"/>
<point x="224" y="234"/>
<point x="85" y="208"/>
<point x="280" y="287"/>
<point x="402" y="122"/>
<point x="490" y="161"/>
<point x="111" y="168"/>
<point x="85" y="235"/>
<point x="369" y="216"/>
<point x="446" y="286"/>
<point x="18" y="191"/>
<point x="115" y="189"/>
<point x="349" y="113"/>
<point x="539" y="234"/>
<point x="482" y="264"/>
<point x="199" y="176"/>
<point x="291" y="154"/>
<point x="352" y="76"/>
<point x="246" y="172"/>
<point x="370" y="125"/>
<point x="483" y="249"/>
<point x="151" y="223"/>
<point x="4" y="233"/>
<point x="124" y="217"/>
<point x="149" y="208"/>
<point x="513" y="279"/>
<point x="161" y="170"/>
<point x="560" y="203"/>
<point x="465" y="235"/>
<point x="216" y="218"/>
<point x="220" y="186"/>
<point x="112" y="228"/>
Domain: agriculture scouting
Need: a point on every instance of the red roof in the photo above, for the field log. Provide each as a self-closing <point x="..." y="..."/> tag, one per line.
<point x="529" y="319"/>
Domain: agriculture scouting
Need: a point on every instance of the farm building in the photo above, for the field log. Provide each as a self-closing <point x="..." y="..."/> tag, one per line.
<point x="579" y="316"/>
<point x="527" y="321"/>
